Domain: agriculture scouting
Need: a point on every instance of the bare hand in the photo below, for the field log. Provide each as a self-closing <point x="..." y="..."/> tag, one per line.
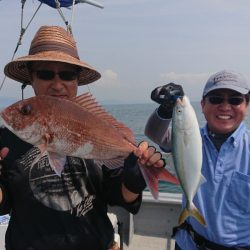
<point x="3" y="153"/>
<point x="148" y="156"/>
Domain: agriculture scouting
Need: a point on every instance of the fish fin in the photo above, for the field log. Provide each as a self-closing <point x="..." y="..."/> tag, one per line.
<point x="57" y="162"/>
<point x="194" y="212"/>
<point x="112" y="164"/>
<point x="42" y="148"/>
<point x="152" y="175"/>
<point x="151" y="181"/>
<point x="89" y="103"/>
<point x="169" y="160"/>
<point x="165" y="175"/>
<point x="43" y="152"/>
<point x="183" y="216"/>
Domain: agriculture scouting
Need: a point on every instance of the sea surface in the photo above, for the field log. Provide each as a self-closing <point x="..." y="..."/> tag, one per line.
<point x="135" y="117"/>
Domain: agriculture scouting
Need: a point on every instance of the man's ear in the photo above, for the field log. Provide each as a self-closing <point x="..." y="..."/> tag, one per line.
<point x="202" y="104"/>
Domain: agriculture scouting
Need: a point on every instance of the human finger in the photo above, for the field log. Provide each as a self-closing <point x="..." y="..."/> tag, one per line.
<point x="141" y="148"/>
<point x="3" y="152"/>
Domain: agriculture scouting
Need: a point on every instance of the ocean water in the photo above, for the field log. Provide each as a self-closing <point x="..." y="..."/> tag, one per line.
<point x="135" y="117"/>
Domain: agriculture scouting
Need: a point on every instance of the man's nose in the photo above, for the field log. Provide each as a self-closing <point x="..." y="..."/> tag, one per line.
<point x="225" y="104"/>
<point x="57" y="82"/>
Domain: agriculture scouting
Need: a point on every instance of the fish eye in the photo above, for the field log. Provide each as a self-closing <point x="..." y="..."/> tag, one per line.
<point x="26" y="109"/>
<point x="178" y="110"/>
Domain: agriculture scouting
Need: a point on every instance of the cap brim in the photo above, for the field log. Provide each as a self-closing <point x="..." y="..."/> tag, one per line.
<point x="231" y="87"/>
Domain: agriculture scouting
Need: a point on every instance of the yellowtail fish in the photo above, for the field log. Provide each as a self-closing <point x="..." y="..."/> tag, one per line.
<point x="78" y="127"/>
<point x="187" y="155"/>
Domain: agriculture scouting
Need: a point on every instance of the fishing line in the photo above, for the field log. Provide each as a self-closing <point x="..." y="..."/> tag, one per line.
<point x="72" y="14"/>
<point x="58" y="7"/>
<point x="22" y="31"/>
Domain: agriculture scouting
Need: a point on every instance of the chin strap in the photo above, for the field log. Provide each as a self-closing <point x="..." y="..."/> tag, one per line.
<point x="23" y="87"/>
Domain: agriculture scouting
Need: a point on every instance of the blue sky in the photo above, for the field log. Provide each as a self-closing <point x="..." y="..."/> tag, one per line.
<point x="138" y="45"/>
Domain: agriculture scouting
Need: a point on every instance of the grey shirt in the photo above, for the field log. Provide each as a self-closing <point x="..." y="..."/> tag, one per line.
<point x="158" y="130"/>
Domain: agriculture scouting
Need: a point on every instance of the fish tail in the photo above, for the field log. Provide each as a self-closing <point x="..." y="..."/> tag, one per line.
<point x="152" y="175"/>
<point x="193" y="211"/>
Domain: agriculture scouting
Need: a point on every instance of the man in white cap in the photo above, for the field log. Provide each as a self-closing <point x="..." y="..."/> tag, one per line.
<point x="67" y="212"/>
<point x="224" y="198"/>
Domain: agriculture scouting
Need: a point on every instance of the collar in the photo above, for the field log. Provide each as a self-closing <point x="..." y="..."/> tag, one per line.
<point x="234" y="137"/>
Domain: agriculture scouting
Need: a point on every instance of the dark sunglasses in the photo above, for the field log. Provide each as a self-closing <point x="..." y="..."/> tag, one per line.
<point x="233" y="100"/>
<point x="64" y="75"/>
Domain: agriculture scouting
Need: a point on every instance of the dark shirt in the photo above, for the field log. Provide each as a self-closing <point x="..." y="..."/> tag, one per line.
<point x="50" y="212"/>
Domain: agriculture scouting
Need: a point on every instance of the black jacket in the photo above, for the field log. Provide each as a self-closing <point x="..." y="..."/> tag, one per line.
<point x="50" y="212"/>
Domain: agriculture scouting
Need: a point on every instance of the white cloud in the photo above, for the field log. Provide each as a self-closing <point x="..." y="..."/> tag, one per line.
<point x="109" y="79"/>
<point x="187" y="77"/>
<point x="192" y="83"/>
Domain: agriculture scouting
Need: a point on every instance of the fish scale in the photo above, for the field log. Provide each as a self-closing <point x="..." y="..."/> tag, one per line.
<point x="187" y="155"/>
<point x="80" y="128"/>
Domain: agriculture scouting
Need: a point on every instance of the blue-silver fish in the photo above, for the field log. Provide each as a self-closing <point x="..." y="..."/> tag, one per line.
<point x="187" y="155"/>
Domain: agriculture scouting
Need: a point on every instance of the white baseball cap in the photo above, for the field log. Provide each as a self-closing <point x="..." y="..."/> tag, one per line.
<point x="226" y="80"/>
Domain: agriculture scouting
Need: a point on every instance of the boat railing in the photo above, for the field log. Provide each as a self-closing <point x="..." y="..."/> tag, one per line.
<point x="156" y="218"/>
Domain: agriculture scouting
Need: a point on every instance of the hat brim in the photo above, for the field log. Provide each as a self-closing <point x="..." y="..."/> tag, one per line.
<point x="17" y="69"/>
<point x="242" y="91"/>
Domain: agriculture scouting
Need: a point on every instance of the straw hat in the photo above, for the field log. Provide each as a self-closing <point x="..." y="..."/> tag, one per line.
<point x="51" y="43"/>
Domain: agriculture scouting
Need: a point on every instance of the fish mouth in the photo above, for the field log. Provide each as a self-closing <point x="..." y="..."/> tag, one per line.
<point x="180" y="100"/>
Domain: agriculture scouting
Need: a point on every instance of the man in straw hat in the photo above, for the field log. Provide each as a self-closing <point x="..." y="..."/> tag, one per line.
<point x="48" y="211"/>
<point x="223" y="199"/>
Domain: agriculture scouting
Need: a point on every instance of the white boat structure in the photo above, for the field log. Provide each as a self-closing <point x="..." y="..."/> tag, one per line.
<point x="150" y="229"/>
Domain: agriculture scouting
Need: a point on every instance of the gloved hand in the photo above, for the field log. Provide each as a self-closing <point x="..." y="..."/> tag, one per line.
<point x="132" y="176"/>
<point x="143" y="156"/>
<point x="166" y="96"/>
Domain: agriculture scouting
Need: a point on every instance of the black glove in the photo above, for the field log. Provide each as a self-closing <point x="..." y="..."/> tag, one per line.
<point x="132" y="176"/>
<point x="166" y="96"/>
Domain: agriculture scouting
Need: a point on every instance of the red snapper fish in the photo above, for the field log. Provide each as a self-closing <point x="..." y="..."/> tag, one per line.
<point x="80" y="128"/>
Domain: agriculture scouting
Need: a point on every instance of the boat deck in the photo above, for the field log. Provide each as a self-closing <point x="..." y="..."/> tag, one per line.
<point x="149" y="243"/>
<point x="151" y="228"/>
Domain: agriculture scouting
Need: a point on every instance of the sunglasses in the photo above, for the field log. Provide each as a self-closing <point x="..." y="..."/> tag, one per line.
<point x="64" y="75"/>
<point x="233" y="100"/>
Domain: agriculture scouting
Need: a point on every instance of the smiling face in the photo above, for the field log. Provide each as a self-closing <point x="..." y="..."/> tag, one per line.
<point x="223" y="118"/>
<point x="62" y="84"/>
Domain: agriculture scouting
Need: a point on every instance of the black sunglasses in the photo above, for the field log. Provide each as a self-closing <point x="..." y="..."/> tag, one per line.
<point x="65" y="75"/>
<point x="233" y="100"/>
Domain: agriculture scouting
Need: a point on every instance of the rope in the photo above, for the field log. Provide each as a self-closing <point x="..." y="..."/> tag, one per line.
<point x="72" y="15"/>
<point x="62" y="16"/>
<point x="22" y="31"/>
